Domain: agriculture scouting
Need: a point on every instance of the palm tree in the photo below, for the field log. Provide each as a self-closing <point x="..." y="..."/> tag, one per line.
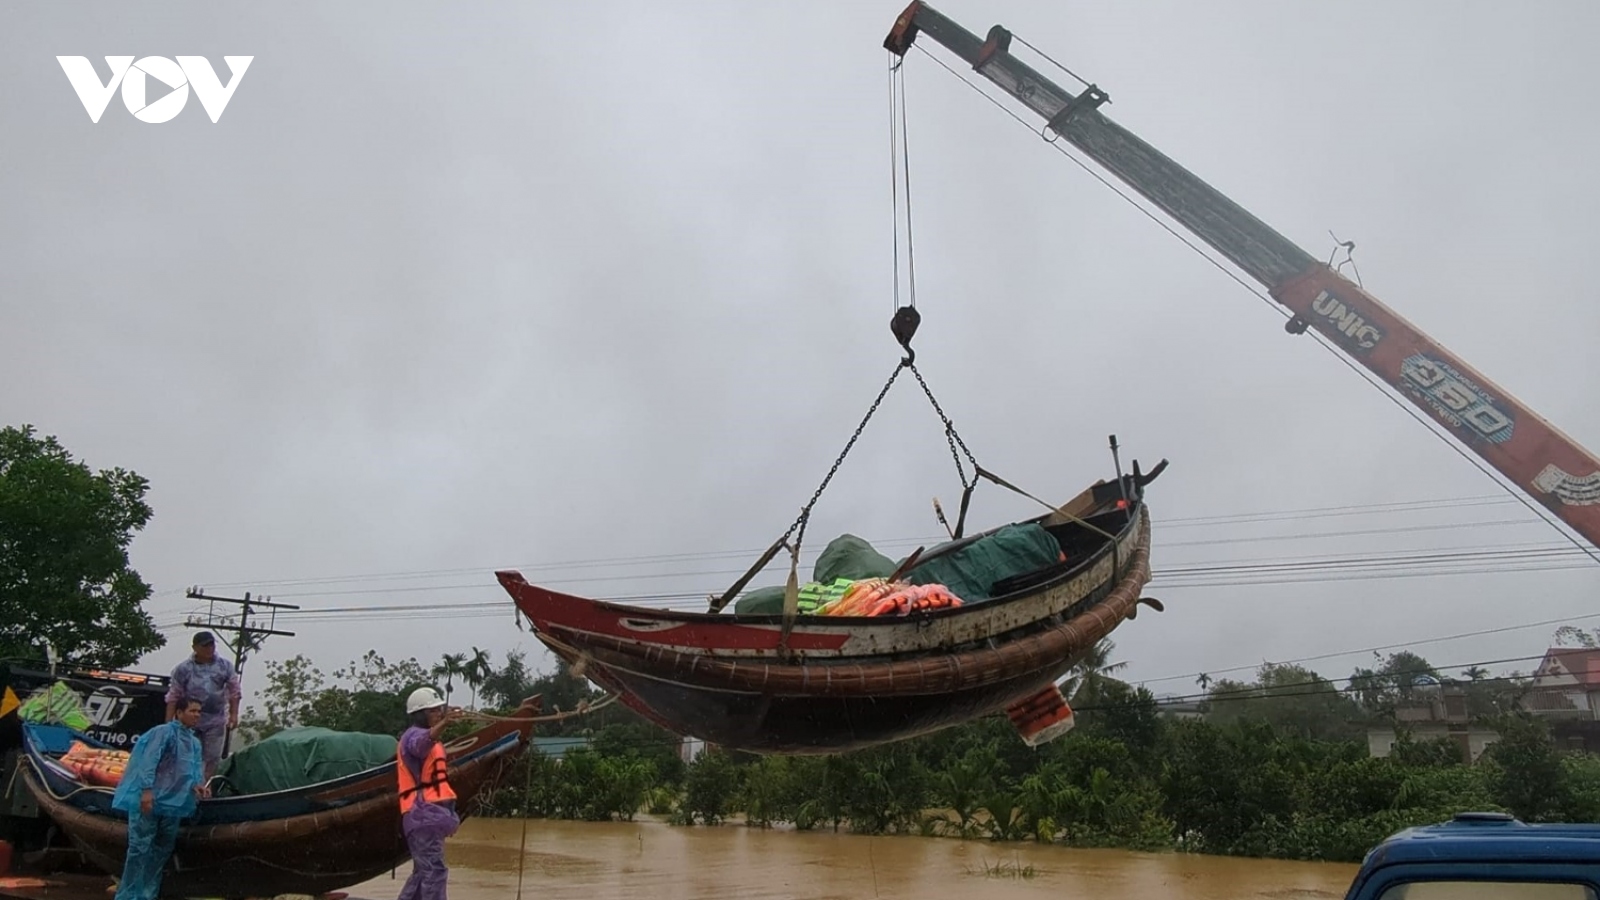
<point x="448" y="667"/>
<point x="1204" y="681"/>
<point x="476" y="671"/>
<point x="1087" y="679"/>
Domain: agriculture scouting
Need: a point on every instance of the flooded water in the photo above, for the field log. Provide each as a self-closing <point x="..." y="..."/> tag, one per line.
<point x="650" y="860"/>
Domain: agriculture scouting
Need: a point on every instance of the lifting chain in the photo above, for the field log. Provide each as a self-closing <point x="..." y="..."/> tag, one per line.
<point x="904" y="326"/>
<point x="950" y="436"/>
<point x="805" y="512"/>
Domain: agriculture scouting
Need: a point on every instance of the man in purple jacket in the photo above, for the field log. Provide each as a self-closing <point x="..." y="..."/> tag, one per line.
<point x="213" y="681"/>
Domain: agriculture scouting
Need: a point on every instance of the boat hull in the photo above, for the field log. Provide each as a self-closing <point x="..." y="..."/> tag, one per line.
<point x="227" y="809"/>
<point x="820" y="685"/>
<point x="798" y="725"/>
<point x="308" y="853"/>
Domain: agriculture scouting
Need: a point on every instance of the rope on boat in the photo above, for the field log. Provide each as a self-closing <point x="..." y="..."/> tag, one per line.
<point x="584" y="708"/>
<point x="44" y="782"/>
<point x="1057" y="510"/>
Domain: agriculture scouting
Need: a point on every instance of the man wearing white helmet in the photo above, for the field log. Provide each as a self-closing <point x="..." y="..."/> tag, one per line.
<point x="427" y="803"/>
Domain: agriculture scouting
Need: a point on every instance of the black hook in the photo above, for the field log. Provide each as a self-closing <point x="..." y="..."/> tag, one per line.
<point x="903" y="326"/>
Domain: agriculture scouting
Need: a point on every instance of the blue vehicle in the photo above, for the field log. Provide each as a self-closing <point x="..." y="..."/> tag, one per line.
<point x="1479" y="856"/>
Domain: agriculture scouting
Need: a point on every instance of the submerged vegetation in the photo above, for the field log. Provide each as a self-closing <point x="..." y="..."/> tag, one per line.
<point x="1278" y="766"/>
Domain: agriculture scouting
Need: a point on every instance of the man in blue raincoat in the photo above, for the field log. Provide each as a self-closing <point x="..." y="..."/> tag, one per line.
<point x="161" y="785"/>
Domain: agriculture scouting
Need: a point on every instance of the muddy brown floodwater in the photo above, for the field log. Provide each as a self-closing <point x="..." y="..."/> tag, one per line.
<point x="649" y="860"/>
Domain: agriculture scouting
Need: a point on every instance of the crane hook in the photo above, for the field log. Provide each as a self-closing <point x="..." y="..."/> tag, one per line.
<point x="903" y="326"/>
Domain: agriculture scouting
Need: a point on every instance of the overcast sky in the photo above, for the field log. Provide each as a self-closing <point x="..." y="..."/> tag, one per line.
<point x="453" y="288"/>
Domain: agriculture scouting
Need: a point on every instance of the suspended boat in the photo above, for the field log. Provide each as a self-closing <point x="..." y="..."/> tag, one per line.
<point x="816" y="684"/>
<point x="309" y="840"/>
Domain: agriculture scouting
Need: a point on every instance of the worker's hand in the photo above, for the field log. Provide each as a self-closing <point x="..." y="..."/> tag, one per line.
<point x="233" y="720"/>
<point x="453" y="714"/>
<point x="203" y="790"/>
<point x="147" y="802"/>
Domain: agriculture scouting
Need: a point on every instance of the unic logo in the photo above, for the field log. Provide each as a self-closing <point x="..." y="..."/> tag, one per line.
<point x="1347" y="321"/>
<point x="133" y="78"/>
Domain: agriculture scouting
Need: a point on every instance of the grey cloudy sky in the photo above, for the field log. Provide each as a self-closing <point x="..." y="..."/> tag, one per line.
<point x="451" y="288"/>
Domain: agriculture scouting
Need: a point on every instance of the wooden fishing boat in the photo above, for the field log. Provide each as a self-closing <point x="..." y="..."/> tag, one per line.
<point x="814" y="684"/>
<point x="350" y="833"/>
<point x="223" y="807"/>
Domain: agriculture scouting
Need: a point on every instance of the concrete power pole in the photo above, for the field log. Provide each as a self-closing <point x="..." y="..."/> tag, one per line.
<point x="241" y="631"/>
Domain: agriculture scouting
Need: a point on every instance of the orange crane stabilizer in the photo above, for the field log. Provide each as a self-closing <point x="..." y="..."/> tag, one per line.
<point x="1547" y="465"/>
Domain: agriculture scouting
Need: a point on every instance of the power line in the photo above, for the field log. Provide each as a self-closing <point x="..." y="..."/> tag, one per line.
<point x="1385" y="563"/>
<point x="1388" y="391"/>
<point x="1181" y="522"/>
<point x="1261" y="691"/>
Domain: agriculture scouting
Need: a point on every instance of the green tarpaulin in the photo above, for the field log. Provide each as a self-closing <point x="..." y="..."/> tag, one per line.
<point x="298" y="757"/>
<point x="969" y="572"/>
<point x="846" y="558"/>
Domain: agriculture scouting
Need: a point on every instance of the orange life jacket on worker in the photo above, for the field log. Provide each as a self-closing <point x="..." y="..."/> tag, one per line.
<point x="433" y="787"/>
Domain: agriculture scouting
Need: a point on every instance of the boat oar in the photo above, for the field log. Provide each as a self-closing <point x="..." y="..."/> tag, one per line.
<point x="906" y="566"/>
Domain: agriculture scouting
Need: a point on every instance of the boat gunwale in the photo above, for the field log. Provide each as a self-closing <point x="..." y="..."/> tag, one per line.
<point x="1091" y="604"/>
<point x="310" y="792"/>
<point x="1135" y="513"/>
<point x="102" y="838"/>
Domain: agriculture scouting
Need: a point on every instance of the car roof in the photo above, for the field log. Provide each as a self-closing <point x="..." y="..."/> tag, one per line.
<point x="1485" y="837"/>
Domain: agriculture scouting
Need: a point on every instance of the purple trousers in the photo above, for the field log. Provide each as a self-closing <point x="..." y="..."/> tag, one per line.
<point x="426" y="826"/>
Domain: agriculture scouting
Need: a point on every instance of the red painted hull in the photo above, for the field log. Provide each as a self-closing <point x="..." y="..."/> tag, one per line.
<point x="829" y="684"/>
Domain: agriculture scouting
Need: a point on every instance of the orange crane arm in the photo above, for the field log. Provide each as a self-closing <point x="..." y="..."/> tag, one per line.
<point x="1549" y="466"/>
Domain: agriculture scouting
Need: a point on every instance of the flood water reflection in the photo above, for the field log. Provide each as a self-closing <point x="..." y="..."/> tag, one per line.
<point x="649" y="860"/>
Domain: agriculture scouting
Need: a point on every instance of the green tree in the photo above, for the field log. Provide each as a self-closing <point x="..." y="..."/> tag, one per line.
<point x="1378" y="690"/>
<point x="476" y="669"/>
<point x="1129" y="714"/>
<point x="1575" y="636"/>
<point x="448" y="667"/>
<point x="64" y="571"/>
<point x="1527" y="776"/>
<point x="506" y="686"/>
<point x="1087" y="679"/>
<point x="1289" y="697"/>
<point x="288" y="697"/>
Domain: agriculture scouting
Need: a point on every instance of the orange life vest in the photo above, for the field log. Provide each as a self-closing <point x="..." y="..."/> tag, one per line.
<point x="433" y="787"/>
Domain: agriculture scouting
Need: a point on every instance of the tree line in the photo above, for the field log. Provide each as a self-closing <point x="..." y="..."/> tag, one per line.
<point x="1275" y="766"/>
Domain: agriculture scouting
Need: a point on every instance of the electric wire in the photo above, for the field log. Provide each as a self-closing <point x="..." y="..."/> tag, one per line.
<point x="1383" y="388"/>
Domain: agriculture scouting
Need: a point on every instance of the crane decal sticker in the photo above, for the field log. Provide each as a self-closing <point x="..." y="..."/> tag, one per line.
<point x="1568" y="488"/>
<point x="1456" y="398"/>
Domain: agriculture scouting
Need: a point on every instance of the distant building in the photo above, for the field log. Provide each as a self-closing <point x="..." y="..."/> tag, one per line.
<point x="690" y="747"/>
<point x="1566" y="694"/>
<point x="1434" y="711"/>
<point x="1178" y="707"/>
<point x="557" y="747"/>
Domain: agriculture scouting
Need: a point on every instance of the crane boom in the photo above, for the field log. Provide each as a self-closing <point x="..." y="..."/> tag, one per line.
<point x="1549" y="466"/>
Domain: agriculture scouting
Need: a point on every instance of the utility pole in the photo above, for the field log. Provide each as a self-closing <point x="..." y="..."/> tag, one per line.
<point x="247" y="635"/>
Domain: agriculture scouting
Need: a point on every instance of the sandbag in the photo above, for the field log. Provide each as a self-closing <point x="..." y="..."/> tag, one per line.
<point x="971" y="571"/>
<point x="846" y="558"/>
<point x="767" y="601"/>
<point x="297" y="757"/>
<point x="850" y="557"/>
